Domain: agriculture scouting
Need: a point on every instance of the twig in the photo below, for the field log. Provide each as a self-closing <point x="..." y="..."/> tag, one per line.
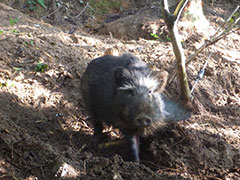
<point x="41" y="166"/>
<point x="178" y="142"/>
<point x="217" y="36"/>
<point x="169" y="169"/>
<point x="228" y="25"/>
<point x="82" y="10"/>
<point x="235" y="10"/>
<point x="12" y="150"/>
<point x="52" y="12"/>
<point x="212" y="177"/>
<point x="96" y="11"/>
<point x="150" y="163"/>
<point x="42" y="171"/>
<point x="212" y="3"/>
<point x="111" y="36"/>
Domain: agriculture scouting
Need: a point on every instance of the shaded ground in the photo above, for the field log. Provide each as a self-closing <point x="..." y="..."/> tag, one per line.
<point x="44" y="132"/>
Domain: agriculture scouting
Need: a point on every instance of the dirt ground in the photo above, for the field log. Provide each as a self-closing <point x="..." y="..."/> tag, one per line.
<point x="44" y="128"/>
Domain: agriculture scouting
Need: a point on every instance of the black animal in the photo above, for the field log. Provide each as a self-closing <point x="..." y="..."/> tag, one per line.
<point x="122" y="91"/>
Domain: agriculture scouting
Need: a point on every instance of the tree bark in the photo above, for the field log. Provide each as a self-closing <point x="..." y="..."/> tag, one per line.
<point x="171" y="22"/>
<point x="193" y="14"/>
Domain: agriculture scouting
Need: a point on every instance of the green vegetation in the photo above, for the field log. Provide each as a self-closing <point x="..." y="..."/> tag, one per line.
<point x="154" y="35"/>
<point x="29" y="43"/>
<point x="158" y="38"/>
<point x="13" y="31"/>
<point x="168" y="38"/>
<point x="41" y="2"/>
<point x="32" y="4"/>
<point x="17" y="69"/>
<point x="8" y="83"/>
<point x="2" y="84"/>
<point x="13" y="21"/>
<point x="235" y="15"/>
<point x="41" y="67"/>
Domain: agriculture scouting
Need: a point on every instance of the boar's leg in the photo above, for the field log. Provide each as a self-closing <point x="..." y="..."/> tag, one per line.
<point x="131" y="141"/>
<point x="98" y="127"/>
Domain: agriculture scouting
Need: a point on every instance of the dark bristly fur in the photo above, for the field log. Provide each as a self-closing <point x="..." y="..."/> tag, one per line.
<point x="121" y="91"/>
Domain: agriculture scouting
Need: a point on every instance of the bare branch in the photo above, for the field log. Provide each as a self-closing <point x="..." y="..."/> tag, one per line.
<point x="221" y="33"/>
<point x="82" y="10"/>
<point x="171" y="22"/>
<point x="56" y="10"/>
<point x="179" y="9"/>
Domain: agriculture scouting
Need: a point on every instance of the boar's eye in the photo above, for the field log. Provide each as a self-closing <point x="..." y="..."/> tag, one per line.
<point x="150" y="92"/>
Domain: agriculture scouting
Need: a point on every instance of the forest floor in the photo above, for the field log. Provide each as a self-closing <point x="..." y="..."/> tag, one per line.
<point x="44" y="128"/>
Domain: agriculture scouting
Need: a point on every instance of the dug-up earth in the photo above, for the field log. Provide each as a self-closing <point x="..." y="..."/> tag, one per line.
<point x="44" y="128"/>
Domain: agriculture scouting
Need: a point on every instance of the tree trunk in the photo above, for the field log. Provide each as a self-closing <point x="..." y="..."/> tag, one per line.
<point x="193" y="13"/>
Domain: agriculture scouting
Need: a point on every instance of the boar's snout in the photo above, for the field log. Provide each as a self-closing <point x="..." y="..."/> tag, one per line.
<point x="142" y="120"/>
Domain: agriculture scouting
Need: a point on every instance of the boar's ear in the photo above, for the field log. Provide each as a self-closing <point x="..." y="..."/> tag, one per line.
<point x="162" y="77"/>
<point x="121" y="75"/>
